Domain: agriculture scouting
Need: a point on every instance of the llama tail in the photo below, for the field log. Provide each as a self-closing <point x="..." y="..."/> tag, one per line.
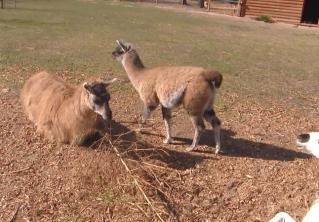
<point x="213" y="77"/>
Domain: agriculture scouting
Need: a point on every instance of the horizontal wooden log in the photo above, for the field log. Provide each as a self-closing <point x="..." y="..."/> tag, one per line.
<point x="275" y="16"/>
<point x="275" y="10"/>
<point x="274" y="13"/>
<point x="269" y="4"/>
<point x="282" y="10"/>
<point x="277" y="1"/>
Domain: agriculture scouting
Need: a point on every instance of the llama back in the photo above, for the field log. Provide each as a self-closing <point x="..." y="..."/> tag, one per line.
<point x="189" y="82"/>
<point x="41" y="96"/>
<point x="64" y="112"/>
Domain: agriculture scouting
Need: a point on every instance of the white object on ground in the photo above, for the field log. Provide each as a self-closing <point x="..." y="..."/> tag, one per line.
<point x="311" y="216"/>
<point x="310" y="142"/>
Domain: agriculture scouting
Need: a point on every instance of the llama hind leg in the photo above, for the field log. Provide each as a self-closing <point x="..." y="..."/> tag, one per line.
<point x="146" y="112"/>
<point x="211" y="117"/>
<point x="166" y="113"/>
<point x="199" y="127"/>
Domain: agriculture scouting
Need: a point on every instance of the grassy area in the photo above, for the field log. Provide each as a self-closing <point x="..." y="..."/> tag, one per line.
<point x="267" y="62"/>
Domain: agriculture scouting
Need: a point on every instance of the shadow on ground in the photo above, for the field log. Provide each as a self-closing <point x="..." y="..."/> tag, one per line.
<point x="128" y="143"/>
<point x="133" y="148"/>
<point x="239" y="147"/>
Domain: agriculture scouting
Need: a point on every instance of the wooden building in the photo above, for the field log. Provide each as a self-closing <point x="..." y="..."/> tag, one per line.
<point x="291" y="11"/>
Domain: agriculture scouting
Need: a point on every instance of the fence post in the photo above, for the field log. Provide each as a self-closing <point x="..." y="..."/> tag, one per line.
<point x="208" y="5"/>
<point x="201" y="3"/>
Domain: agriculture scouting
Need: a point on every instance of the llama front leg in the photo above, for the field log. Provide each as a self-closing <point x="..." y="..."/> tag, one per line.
<point x="166" y="113"/>
<point x="211" y="117"/>
<point x="199" y="126"/>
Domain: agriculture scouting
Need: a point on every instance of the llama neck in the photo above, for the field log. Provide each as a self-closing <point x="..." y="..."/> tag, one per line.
<point x="133" y="67"/>
<point x="84" y="110"/>
<point x="81" y="113"/>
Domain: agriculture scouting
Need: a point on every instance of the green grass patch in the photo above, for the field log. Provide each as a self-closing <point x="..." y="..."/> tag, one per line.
<point x="111" y="198"/>
<point x="267" y="63"/>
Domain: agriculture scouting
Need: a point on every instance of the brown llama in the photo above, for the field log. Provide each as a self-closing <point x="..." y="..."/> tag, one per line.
<point x="63" y="112"/>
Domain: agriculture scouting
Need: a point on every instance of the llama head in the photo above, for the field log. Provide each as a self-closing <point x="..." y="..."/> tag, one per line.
<point x="98" y="97"/>
<point x="310" y="142"/>
<point x="121" y="50"/>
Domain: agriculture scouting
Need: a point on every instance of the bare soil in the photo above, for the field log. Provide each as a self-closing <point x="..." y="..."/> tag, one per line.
<point x="258" y="173"/>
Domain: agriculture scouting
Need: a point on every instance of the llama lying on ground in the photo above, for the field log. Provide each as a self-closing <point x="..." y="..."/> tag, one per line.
<point x="310" y="142"/>
<point x="311" y="216"/>
<point x="63" y="112"/>
<point x="170" y="86"/>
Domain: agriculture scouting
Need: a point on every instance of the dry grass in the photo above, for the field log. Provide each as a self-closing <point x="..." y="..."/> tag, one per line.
<point x="256" y="175"/>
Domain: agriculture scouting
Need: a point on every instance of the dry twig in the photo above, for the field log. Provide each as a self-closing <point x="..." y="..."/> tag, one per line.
<point x="14" y="216"/>
<point x="140" y="208"/>
<point x="135" y="181"/>
<point x="18" y="171"/>
<point x="149" y="164"/>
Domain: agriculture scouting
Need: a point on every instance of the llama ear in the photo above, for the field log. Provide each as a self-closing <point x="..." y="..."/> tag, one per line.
<point x="123" y="47"/>
<point x="108" y="82"/>
<point x="87" y="86"/>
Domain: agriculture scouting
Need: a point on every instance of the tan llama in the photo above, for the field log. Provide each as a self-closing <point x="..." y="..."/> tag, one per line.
<point x="170" y="86"/>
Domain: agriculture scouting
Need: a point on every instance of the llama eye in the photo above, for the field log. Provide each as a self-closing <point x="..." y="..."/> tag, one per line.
<point x="98" y="101"/>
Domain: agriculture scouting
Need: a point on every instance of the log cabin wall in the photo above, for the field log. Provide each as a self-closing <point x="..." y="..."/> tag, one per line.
<point x="282" y="10"/>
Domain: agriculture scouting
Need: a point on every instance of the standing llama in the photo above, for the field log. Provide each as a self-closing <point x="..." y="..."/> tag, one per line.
<point x="66" y="113"/>
<point x="192" y="87"/>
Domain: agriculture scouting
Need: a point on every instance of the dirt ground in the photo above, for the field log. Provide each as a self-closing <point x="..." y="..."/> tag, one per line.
<point x="258" y="173"/>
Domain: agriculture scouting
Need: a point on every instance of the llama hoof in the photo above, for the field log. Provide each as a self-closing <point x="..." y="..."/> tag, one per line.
<point x="143" y="121"/>
<point x="142" y="125"/>
<point x="167" y="141"/>
<point x="189" y="149"/>
<point x="217" y="149"/>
